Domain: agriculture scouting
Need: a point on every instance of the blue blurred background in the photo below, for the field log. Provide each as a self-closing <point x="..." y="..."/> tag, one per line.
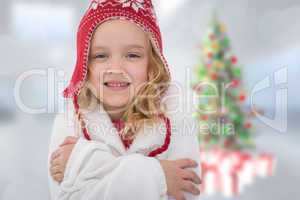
<point x="39" y="36"/>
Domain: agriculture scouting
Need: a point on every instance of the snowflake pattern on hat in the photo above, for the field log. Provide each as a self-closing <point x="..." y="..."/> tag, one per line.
<point x="135" y="4"/>
<point x="95" y="3"/>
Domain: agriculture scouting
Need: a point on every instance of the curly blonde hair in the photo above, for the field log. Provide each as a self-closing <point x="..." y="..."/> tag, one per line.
<point x="143" y="110"/>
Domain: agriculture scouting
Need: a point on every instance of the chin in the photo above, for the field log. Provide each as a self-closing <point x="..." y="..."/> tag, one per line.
<point x="116" y="101"/>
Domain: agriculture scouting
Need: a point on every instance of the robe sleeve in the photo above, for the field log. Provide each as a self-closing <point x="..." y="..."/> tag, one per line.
<point x="93" y="172"/>
<point x="185" y="144"/>
<point x="60" y="130"/>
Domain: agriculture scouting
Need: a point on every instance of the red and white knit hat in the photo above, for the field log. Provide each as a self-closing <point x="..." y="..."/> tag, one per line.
<point x="141" y="12"/>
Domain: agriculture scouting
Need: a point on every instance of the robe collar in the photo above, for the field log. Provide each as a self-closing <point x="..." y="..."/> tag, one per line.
<point x="101" y="128"/>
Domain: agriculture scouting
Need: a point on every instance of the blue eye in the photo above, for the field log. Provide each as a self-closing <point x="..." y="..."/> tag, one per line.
<point x="133" y="55"/>
<point x="100" y="56"/>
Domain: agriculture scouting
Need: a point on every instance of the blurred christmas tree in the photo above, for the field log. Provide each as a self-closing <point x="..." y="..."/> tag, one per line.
<point x="223" y="121"/>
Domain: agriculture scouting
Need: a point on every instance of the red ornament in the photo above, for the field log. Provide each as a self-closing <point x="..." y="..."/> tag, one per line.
<point x="204" y="117"/>
<point x="228" y="143"/>
<point x="248" y="125"/>
<point x="212" y="37"/>
<point x="214" y="76"/>
<point x="234" y="59"/>
<point x="242" y="97"/>
<point x="235" y="83"/>
<point x="210" y="55"/>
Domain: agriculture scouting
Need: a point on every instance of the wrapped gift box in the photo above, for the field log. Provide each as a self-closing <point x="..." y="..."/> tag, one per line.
<point x="228" y="172"/>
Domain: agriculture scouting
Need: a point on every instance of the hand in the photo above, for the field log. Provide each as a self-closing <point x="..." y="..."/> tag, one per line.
<point x="60" y="157"/>
<point x="179" y="178"/>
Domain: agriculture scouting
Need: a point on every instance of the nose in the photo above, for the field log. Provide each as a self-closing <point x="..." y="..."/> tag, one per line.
<point x="115" y="64"/>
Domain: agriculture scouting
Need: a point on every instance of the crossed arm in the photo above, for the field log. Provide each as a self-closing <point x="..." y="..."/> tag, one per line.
<point x="162" y="177"/>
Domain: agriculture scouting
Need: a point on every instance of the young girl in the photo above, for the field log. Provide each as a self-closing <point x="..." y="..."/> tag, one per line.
<point x="123" y="135"/>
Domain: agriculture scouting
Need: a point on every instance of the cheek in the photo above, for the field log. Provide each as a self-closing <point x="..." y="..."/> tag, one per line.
<point x="95" y="78"/>
<point x="139" y="74"/>
<point x="139" y="78"/>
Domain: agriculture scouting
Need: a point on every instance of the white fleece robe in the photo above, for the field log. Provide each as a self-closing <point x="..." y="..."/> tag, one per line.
<point x="102" y="169"/>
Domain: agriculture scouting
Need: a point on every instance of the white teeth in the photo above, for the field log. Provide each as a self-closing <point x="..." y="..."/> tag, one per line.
<point x="117" y="84"/>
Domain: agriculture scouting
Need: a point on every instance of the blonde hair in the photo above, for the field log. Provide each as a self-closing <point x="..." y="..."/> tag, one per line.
<point x="143" y="110"/>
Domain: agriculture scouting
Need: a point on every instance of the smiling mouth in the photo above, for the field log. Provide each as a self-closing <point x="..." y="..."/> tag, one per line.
<point x="116" y="85"/>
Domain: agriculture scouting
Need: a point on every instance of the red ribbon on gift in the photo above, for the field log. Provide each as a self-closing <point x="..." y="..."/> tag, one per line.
<point x="270" y="160"/>
<point x="206" y="168"/>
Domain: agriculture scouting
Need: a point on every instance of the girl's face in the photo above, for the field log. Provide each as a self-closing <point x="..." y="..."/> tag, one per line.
<point x="118" y="63"/>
